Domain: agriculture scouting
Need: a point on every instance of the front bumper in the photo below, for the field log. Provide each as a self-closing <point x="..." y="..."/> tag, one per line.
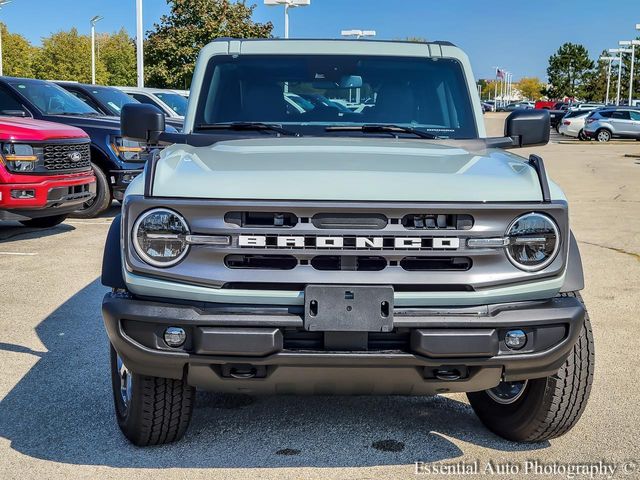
<point x="265" y="349"/>
<point x="120" y="180"/>
<point x="54" y="196"/>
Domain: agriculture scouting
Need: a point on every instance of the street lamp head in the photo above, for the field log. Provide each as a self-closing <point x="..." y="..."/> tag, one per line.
<point x="358" y="33"/>
<point x="289" y="3"/>
<point x="624" y="43"/>
<point x="4" y="2"/>
<point x="96" y="19"/>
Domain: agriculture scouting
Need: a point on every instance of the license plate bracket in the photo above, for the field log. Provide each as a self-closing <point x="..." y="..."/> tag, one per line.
<point x="347" y="308"/>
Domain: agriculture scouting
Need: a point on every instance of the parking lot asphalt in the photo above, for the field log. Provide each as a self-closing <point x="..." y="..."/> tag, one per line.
<point x="56" y="414"/>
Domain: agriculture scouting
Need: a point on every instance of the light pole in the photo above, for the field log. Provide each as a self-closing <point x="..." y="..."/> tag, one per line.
<point x="619" y="51"/>
<point x="139" y="45"/>
<point x="2" y="4"/>
<point x="611" y="60"/>
<point x="358" y="33"/>
<point x="287" y="5"/>
<point x="632" y="44"/>
<point x="93" y="22"/>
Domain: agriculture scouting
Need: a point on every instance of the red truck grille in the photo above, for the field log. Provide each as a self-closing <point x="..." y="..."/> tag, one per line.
<point x="61" y="157"/>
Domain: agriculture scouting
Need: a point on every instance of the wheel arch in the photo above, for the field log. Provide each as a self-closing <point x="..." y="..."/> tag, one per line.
<point x="574" y="279"/>
<point x="112" y="257"/>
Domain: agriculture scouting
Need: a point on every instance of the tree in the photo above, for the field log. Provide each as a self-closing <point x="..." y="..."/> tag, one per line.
<point x="17" y="54"/>
<point x="530" y="88"/>
<point x="596" y="82"/>
<point x="117" y="52"/>
<point x="67" y="56"/>
<point x="487" y="88"/>
<point x="172" y="46"/>
<point x="568" y="69"/>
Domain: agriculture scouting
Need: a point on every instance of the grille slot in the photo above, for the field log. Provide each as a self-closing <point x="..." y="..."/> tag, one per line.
<point x="57" y="157"/>
<point x="373" y="221"/>
<point x="263" y="262"/>
<point x="425" y="264"/>
<point x="294" y="340"/>
<point x="352" y="263"/>
<point x="261" y="219"/>
<point x="439" y="221"/>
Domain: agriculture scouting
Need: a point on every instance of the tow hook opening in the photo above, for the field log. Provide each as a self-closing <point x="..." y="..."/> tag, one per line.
<point x="447" y="373"/>
<point x="243" y="371"/>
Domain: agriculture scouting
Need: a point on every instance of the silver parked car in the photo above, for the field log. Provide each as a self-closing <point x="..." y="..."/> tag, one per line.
<point x="613" y="122"/>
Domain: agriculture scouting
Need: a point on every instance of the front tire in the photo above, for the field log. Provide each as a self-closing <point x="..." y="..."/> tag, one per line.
<point x="582" y="136"/>
<point x="543" y="408"/>
<point x="101" y="201"/>
<point x="150" y="410"/>
<point x="44" y="222"/>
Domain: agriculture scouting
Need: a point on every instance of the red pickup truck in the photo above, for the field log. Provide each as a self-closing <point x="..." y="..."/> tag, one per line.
<point x="45" y="171"/>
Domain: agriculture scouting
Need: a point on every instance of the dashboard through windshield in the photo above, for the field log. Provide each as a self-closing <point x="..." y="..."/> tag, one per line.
<point x="426" y="94"/>
<point x="51" y="99"/>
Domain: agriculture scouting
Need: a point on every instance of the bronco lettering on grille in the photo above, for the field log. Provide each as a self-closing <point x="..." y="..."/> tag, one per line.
<point x="348" y="242"/>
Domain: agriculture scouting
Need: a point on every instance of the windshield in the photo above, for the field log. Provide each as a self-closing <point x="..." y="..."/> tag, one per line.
<point x="112" y="98"/>
<point x="426" y="94"/>
<point x="51" y="99"/>
<point x="176" y="102"/>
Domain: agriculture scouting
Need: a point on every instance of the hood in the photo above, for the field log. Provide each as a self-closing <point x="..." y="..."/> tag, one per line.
<point x="28" y="129"/>
<point x="89" y="121"/>
<point x="330" y="168"/>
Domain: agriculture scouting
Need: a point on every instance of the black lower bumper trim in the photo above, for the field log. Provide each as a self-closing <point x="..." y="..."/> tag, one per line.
<point x="251" y="337"/>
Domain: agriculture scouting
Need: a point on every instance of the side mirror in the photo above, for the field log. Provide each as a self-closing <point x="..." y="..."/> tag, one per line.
<point x="14" y="113"/>
<point x="142" y="122"/>
<point x="528" y="127"/>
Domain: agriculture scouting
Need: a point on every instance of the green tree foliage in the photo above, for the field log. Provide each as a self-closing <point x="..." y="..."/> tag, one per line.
<point x="596" y="82"/>
<point x="17" y="54"/>
<point x="67" y="56"/>
<point x="568" y="70"/>
<point x="530" y="88"/>
<point x="117" y="53"/>
<point x="173" y="44"/>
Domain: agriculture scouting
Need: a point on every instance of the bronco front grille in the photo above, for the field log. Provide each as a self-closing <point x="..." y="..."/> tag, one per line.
<point x="287" y="245"/>
<point x="61" y="157"/>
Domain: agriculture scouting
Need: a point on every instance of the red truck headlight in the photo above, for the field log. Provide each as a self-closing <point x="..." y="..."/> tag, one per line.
<point x="19" y="157"/>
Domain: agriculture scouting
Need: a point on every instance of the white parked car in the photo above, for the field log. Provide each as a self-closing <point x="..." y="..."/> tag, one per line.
<point x="572" y="124"/>
<point x="172" y="103"/>
<point x="585" y="107"/>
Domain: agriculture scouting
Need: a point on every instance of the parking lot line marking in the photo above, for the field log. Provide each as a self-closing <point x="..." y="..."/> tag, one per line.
<point x="22" y="254"/>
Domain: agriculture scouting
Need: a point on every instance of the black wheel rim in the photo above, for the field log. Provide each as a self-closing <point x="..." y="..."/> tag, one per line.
<point x="507" y="393"/>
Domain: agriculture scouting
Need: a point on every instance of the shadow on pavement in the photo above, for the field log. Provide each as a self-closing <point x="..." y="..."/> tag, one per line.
<point x="14" y="232"/>
<point x="62" y="411"/>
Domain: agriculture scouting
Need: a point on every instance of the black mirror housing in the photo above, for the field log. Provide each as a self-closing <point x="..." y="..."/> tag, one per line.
<point x="528" y="128"/>
<point x="142" y="122"/>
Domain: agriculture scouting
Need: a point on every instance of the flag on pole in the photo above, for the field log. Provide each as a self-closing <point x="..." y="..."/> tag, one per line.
<point x="500" y="74"/>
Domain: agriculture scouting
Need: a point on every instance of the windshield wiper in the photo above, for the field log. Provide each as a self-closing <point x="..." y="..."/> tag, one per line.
<point x="248" y="126"/>
<point x="386" y="128"/>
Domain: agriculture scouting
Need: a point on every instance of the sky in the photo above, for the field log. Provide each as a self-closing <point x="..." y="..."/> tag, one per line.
<point x="517" y="35"/>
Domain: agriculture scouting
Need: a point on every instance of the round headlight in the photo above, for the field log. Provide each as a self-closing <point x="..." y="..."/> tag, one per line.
<point x="159" y="237"/>
<point x="534" y="241"/>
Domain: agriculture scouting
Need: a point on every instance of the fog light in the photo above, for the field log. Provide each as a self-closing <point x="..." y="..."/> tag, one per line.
<point x="23" y="194"/>
<point x="515" y="339"/>
<point x="174" y="336"/>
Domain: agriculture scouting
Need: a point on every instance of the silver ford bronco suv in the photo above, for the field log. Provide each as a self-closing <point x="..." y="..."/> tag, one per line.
<point x="334" y="220"/>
